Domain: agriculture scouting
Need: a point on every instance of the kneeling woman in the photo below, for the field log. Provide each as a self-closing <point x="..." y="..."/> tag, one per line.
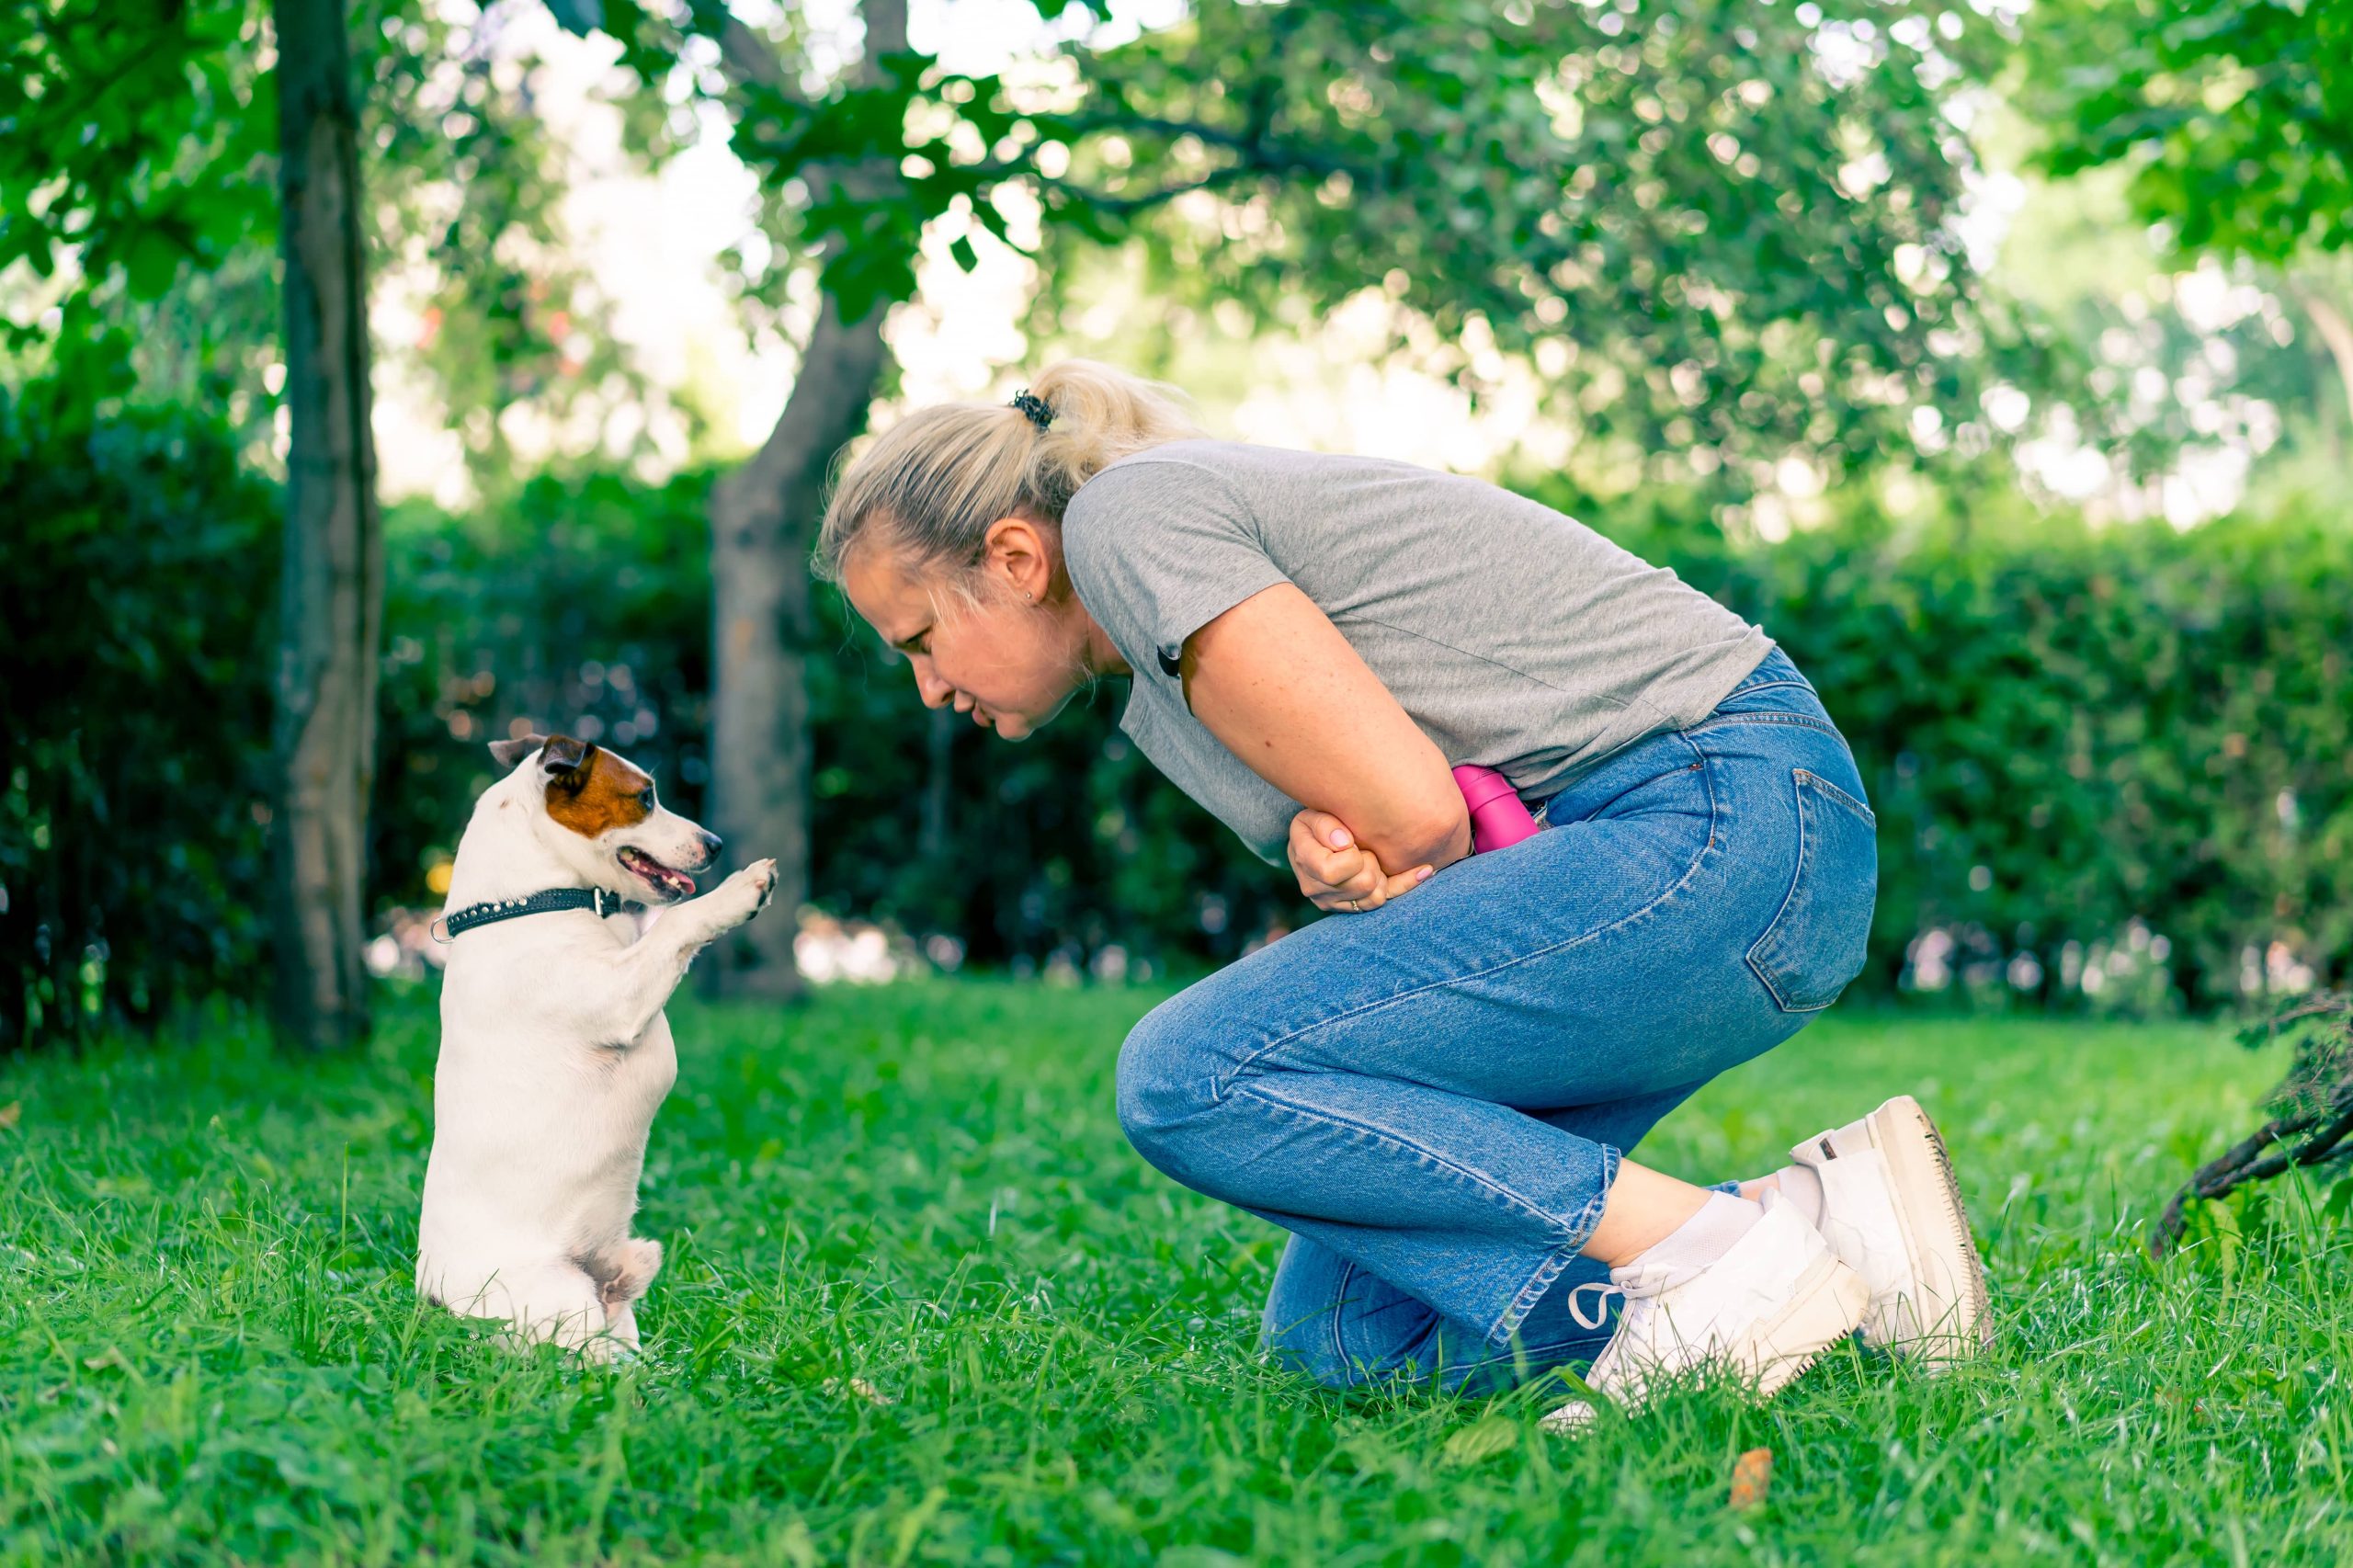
<point x="1434" y="1090"/>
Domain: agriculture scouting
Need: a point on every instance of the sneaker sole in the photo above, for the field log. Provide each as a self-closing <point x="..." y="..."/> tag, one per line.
<point x="1952" y="1317"/>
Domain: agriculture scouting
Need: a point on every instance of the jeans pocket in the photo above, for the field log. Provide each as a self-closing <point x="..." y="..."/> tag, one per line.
<point x="1816" y="942"/>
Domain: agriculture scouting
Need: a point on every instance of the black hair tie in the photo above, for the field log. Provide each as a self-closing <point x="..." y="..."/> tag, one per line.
<point x="1029" y="403"/>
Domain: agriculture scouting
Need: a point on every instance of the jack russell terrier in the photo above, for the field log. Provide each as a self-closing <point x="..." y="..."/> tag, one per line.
<point x="554" y="1053"/>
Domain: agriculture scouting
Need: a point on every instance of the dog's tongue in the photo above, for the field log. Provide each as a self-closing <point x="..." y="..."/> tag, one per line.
<point x="663" y="877"/>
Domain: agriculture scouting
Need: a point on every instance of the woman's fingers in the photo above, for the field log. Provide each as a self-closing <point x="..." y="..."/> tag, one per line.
<point x="1338" y="874"/>
<point x="1383" y="888"/>
<point x="1324" y="852"/>
<point x="1370" y="893"/>
<point x="1353" y="875"/>
<point x="1406" y="881"/>
<point x="1322" y="832"/>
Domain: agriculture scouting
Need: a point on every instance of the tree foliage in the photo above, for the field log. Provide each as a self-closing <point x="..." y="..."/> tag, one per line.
<point x="2234" y="121"/>
<point x="128" y="137"/>
<point x="2234" y="116"/>
<point x="1722" y="232"/>
<point x="137" y="158"/>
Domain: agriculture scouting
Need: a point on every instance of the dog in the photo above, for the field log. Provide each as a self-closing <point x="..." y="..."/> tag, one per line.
<point x="554" y="1053"/>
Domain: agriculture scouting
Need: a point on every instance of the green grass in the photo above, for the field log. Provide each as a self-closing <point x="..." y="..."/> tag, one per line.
<point x="208" y="1350"/>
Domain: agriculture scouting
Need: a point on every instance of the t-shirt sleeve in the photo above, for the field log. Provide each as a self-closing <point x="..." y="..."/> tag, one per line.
<point x="1157" y="549"/>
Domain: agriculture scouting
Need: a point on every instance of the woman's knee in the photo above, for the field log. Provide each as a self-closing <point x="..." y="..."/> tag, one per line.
<point x="1166" y="1080"/>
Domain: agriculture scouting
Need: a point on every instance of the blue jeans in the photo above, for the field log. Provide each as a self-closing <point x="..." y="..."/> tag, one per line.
<point x="1432" y="1096"/>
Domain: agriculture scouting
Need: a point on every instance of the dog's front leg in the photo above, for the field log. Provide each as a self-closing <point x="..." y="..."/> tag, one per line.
<point x="624" y="999"/>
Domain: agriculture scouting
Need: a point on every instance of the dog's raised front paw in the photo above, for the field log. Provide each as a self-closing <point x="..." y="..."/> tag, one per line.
<point x="742" y="896"/>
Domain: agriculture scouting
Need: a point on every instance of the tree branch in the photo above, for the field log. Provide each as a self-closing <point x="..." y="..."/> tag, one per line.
<point x="752" y="60"/>
<point x="2269" y="1150"/>
<point x="2336" y="331"/>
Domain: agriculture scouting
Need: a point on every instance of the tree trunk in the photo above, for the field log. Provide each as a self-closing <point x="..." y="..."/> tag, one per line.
<point x="939" y="785"/>
<point x="763" y="518"/>
<point x="2337" y="335"/>
<point x="332" y="600"/>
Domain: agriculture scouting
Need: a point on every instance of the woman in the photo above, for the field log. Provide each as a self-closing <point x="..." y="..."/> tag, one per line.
<point x="1434" y="1090"/>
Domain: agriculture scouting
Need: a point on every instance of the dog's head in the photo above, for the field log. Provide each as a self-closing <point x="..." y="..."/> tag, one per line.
<point x="601" y="818"/>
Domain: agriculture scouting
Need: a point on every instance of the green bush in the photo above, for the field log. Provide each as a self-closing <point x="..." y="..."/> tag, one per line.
<point x="2108" y="764"/>
<point x="579" y="603"/>
<point x="136" y="577"/>
<point x="2113" y="753"/>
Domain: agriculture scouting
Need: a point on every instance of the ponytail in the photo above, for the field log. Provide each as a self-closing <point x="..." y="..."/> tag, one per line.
<point x="930" y="487"/>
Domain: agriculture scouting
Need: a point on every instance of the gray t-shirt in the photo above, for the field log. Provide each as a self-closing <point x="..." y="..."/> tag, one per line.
<point x="1516" y="637"/>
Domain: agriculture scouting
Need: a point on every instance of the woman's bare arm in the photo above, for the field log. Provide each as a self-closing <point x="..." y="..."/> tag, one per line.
<point x="1273" y="678"/>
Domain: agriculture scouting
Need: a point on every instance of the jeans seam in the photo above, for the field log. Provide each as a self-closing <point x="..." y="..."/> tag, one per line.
<point x="1871" y="818"/>
<point x="1504" y="1196"/>
<point x="1797" y="880"/>
<point x="1531" y="1351"/>
<point x="1798" y="720"/>
<point x="1800" y="777"/>
<point x="1775" y="684"/>
<point x="1219" y="1088"/>
<point x="1340" y="1296"/>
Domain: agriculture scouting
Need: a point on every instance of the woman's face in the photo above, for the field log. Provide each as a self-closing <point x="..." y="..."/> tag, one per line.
<point x="1011" y="663"/>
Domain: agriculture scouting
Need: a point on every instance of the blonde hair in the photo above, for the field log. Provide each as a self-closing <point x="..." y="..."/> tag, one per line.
<point x="930" y="487"/>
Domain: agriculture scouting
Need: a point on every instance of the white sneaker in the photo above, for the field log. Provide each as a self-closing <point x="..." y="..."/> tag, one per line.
<point x="1892" y="1212"/>
<point x="1761" y="1312"/>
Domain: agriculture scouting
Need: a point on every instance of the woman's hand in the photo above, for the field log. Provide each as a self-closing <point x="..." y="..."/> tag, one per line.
<point x="1337" y="873"/>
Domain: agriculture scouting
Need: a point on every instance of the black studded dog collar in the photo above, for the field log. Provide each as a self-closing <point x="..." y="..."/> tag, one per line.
<point x="547" y="902"/>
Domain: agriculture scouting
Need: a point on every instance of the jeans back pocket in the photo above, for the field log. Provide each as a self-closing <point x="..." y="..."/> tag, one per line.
<point x="1816" y="942"/>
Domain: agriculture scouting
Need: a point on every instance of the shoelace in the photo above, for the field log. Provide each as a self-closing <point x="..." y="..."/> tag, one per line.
<point x="1602" y="1291"/>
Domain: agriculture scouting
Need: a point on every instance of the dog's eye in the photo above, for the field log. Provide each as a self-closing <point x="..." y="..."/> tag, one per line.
<point x="645" y="799"/>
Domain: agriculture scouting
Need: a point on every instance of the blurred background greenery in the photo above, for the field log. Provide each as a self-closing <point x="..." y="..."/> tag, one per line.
<point x="1996" y="359"/>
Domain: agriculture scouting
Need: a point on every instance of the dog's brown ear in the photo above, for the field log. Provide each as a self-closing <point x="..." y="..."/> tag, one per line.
<point x="564" y="756"/>
<point x="508" y="753"/>
<point x="566" y="762"/>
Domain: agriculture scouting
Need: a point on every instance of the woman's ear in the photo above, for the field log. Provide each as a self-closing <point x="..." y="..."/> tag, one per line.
<point x="1019" y="554"/>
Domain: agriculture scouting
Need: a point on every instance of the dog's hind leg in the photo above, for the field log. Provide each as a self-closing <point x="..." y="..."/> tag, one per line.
<point x="633" y="1265"/>
<point x="621" y="1276"/>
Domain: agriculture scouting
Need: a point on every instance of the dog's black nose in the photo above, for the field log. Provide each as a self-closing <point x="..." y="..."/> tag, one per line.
<point x="710" y="847"/>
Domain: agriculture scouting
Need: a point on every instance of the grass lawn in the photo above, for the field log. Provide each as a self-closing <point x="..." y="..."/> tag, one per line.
<point x="209" y="1349"/>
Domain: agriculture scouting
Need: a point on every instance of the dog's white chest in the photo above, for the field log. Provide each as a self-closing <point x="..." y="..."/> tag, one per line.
<point x="648" y="1067"/>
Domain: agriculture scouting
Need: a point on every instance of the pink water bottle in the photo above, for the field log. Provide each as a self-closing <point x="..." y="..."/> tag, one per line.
<point x="1497" y="818"/>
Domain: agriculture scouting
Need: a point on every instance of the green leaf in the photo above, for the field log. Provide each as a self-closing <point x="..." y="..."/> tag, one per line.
<point x="2340" y="1201"/>
<point x="151" y="263"/>
<point x="1480" y="1440"/>
<point x="579" y="18"/>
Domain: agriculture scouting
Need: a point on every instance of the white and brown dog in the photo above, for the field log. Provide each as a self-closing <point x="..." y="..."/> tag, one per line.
<point x="554" y="1053"/>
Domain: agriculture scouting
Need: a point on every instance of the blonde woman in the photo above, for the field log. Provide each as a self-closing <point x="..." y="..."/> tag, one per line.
<point x="1433" y="1089"/>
